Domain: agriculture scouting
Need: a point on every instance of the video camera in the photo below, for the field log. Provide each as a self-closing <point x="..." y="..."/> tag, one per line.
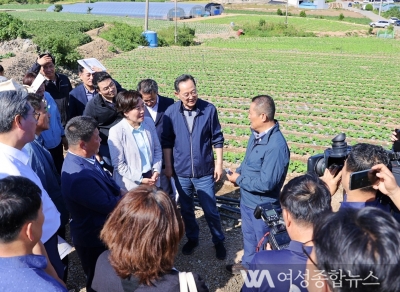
<point x="331" y="157"/>
<point x="271" y="215"/>
<point x="336" y="156"/>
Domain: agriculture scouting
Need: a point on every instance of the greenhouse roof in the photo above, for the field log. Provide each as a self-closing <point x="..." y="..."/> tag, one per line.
<point x="157" y="10"/>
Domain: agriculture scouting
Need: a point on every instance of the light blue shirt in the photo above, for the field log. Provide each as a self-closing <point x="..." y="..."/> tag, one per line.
<point x="143" y="145"/>
<point x="52" y="136"/>
<point x="89" y="95"/>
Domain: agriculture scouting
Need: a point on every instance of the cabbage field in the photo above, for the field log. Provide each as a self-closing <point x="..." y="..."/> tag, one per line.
<point x="321" y="86"/>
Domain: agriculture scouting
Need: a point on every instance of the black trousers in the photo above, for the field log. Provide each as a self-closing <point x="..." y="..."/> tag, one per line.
<point x="54" y="256"/>
<point x="88" y="257"/>
<point x="58" y="156"/>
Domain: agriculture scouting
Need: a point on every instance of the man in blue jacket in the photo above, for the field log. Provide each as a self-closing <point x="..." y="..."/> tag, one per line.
<point x="261" y="174"/>
<point x="190" y="131"/>
<point x="156" y="105"/>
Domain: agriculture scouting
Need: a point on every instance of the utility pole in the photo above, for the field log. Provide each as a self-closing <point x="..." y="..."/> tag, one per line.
<point x="146" y="17"/>
<point x="380" y="8"/>
<point x="287" y="4"/>
<point x="176" y="22"/>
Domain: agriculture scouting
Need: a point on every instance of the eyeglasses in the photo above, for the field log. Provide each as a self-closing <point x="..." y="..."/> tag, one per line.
<point x="303" y="247"/>
<point x="187" y="94"/>
<point x="110" y="86"/>
<point x="35" y="115"/>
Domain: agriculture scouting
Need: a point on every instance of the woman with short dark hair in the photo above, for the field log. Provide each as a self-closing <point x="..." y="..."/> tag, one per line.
<point x="143" y="235"/>
<point x="134" y="146"/>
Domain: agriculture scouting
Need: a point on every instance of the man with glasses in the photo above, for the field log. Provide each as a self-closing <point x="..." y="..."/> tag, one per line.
<point x="43" y="165"/>
<point x="304" y="200"/>
<point x="355" y="250"/>
<point x="156" y="105"/>
<point x="53" y="139"/>
<point x="18" y="122"/>
<point x="83" y="93"/>
<point x="102" y="108"/>
<point x="191" y="130"/>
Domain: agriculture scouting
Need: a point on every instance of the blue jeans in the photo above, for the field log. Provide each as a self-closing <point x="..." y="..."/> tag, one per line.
<point x="204" y="187"/>
<point x="253" y="230"/>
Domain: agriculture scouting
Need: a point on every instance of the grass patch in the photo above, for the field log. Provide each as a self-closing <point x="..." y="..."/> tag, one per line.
<point x="356" y="20"/>
<point x="271" y="29"/>
<point x="253" y="12"/>
<point x="348" y="45"/>
<point x="25" y="6"/>
<point x="301" y="23"/>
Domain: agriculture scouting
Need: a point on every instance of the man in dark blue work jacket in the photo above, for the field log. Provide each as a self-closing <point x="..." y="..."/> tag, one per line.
<point x="261" y="174"/>
<point x="190" y="131"/>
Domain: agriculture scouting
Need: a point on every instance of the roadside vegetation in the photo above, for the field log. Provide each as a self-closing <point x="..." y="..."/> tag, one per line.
<point x="301" y="23"/>
<point x="271" y="29"/>
<point x="392" y="12"/>
<point x="127" y="37"/>
<point x="282" y="12"/>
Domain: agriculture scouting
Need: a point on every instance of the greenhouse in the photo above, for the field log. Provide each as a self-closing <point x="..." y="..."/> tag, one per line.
<point x="157" y="10"/>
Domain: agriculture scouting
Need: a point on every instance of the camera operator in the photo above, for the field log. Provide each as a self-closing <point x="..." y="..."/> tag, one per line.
<point x="355" y="250"/>
<point x="361" y="157"/>
<point x="387" y="184"/>
<point x="395" y="140"/>
<point x="304" y="200"/>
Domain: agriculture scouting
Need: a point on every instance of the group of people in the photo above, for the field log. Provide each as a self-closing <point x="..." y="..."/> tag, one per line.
<point x="120" y="143"/>
<point x="127" y="150"/>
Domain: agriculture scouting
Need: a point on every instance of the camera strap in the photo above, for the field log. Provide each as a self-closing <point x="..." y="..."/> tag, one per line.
<point x="261" y="241"/>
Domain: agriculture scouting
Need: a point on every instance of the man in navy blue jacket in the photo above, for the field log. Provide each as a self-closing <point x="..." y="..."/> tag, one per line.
<point x="190" y="131"/>
<point x="304" y="201"/>
<point x="156" y="105"/>
<point x="89" y="192"/>
<point x="261" y="174"/>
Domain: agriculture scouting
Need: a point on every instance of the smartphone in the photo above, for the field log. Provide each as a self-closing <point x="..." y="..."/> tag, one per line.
<point x="228" y="171"/>
<point x="362" y="179"/>
<point x="396" y="144"/>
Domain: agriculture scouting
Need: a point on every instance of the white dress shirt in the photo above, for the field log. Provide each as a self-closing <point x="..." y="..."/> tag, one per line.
<point x="15" y="162"/>
<point x="153" y="110"/>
